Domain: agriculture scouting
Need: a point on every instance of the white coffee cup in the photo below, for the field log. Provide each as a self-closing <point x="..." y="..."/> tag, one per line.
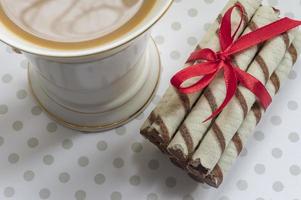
<point x="98" y="88"/>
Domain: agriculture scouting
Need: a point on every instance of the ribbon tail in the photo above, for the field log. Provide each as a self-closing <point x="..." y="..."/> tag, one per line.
<point x="231" y="86"/>
<point x="255" y="86"/>
<point x="263" y="34"/>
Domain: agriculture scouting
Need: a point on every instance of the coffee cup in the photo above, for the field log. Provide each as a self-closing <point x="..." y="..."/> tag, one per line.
<point x="92" y="86"/>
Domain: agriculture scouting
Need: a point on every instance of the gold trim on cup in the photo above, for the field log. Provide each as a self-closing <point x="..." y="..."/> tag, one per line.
<point x="97" y="128"/>
<point x="100" y="52"/>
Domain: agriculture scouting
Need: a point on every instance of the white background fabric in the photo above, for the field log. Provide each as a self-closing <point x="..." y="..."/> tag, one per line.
<point x="43" y="160"/>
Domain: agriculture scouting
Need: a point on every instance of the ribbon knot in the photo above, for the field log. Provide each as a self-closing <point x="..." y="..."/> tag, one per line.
<point x="208" y="64"/>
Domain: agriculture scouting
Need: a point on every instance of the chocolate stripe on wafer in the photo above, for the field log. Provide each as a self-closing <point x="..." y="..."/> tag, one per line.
<point x="293" y="52"/>
<point x="187" y="137"/>
<point x="184" y="100"/>
<point x="263" y="67"/>
<point x="286" y="40"/>
<point x="275" y="80"/>
<point x="210" y="98"/>
<point x="219" y="135"/>
<point x="256" y="109"/>
<point x="242" y="102"/>
<point x="237" y="142"/>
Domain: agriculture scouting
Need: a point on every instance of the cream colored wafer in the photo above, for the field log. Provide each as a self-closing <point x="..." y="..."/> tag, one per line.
<point x="192" y="130"/>
<point x="164" y="120"/>
<point x="215" y="178"/>
<point x="230" y="119"/>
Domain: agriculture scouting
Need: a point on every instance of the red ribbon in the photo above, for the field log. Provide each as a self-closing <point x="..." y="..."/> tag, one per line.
<point x="210" y="63"/>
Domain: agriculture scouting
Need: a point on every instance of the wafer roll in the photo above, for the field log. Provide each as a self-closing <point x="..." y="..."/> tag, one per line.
<point x="227" y="123"/>
<point x="215" y="178"/>
<point x="192" y="129"/>
<point x="165" y="119"/>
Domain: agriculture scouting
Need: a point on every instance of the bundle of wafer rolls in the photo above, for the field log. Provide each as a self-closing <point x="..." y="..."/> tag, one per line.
<point x="206" y="150"/>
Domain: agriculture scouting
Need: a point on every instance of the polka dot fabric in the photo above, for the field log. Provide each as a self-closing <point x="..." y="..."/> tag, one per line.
<point x="42" y="160"/>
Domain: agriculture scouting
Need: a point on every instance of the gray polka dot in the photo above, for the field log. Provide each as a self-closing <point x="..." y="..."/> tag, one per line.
<point x="159" y="39"/>
<point x="293" y="137"/>
<point x="277" y="153"/>
<point x="192" y="41"/>
<point x="292" y="75"/>
<point x="273" y="2"/>
<point x="99" y="179"/>
<point x="175" y="55"/>
<point x="28" y="175"/>
<point x="116" y="196"/>
<point x="83" y="161"/>
<point x="259" y="135"/>
<point x="36" y="110"/>
<point x="292" y="105"/>
<point x="259" y="168"/>
<point x="242" y="185"/>
<point x="6" y="78"/>
<point x="278" y="186"/>
<point x="102" y="145"/>
<point x="176" y="26"/>
<point x="156" y="99"/>
<point x="276" y="120"/>
<point x="188" y="197"/>
<point x="44" y="193"/>
<point x="224" y="198"/>
<point x="48" y="159"/>
<point x="32" y="142"/>
<point x="137" y="147"/>
<point x="118" y="162"/>
<point x="13" y="158"/>
<point x="135" y="180"/>
<point x="64" y="177"/>
<point x="67" y="144"/>
<point x="121" y="130"/>
<point x="152" y="196"/>
<point x="171" y="182"/>
<point x="192" y="12"/>
<point x="17" y="125"/>
<point x="3" y="109"/>
<point x="295" y="170"/>
<point x="21" y="94"/>
<point x="80" y="195"/>
<point x="243" y="153"/>
<point x="153" y="164"/>
<point x="9" y="192"/>
<point x="51" y="127"/>
<point x="259" y="198"/>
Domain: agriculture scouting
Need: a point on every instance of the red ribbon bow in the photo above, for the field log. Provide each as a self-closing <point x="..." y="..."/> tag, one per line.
<point x="213" y="62"/>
